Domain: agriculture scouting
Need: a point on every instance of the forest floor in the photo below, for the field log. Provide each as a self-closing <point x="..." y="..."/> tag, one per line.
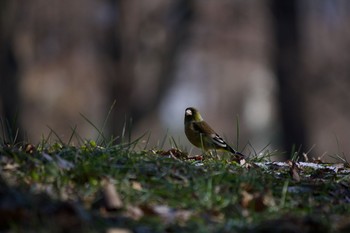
<point x="104" y="187"/>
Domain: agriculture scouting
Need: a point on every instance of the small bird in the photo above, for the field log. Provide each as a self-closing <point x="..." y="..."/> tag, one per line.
<point x="201" y="135"/>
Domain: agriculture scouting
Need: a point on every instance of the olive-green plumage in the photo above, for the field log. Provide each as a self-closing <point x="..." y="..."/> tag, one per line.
<point x="201" y="135"/>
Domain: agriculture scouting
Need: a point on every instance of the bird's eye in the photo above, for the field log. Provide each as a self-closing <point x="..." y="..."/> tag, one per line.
<point x="188" y="112"/>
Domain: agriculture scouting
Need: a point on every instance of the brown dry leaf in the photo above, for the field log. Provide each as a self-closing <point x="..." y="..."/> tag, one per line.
<point x="10" y="166"/>
<point x="118" y="230"/>
<point x="136" y="185"/>
<point x="196" y="157"/>
<point x="257" y="201"/>
<point x="268" y="198"/>
<point x="174" y="153"/>
<point x="247" y="165"/>
<point x="134" y="212"/>
<point x="183" y="215"/>
<point x="246" y="199"/>
<point x="111" y="198"/>
<point x="238" y="159"/>
<point x="29" y="148"/>
<point x="246" y="187"/>
<point x="294" y="171"/>
<point x="168" y="214"/>
<point x="165" y="212"/>
<point x="318" y="160"/>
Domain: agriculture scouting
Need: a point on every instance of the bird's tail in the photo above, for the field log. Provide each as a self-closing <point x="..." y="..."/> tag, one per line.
<point x="233" y="151"/>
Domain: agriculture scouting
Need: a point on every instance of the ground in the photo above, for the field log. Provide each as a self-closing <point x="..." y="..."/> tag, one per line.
<point x="107" y="187"/>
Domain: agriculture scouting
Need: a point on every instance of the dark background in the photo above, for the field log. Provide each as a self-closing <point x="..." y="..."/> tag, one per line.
<point x="279" y="68"/>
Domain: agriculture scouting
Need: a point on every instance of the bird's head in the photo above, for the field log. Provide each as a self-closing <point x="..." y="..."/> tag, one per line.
<point x="192" y="114"/>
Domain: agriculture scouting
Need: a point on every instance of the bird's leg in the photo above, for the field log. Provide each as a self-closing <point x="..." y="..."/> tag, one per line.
<point x="213" y="154"/>
<point x="217" y="155"/>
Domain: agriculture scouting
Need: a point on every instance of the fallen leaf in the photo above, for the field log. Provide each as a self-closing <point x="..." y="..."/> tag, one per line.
<point x="136" y="185"/>
<point x="174" y="153"/>
<point x="294" y="171"/>
<point x="183" y="215"/>
<point x="134" y="212"/>
<point x="246" y="199"/>
<point x="258" y="201"/>
<point x="196" y="157"/>
<point x="318" y="160"/>
<point x="29" y="148"/>
<point x="118" y="230"/>
<point x="111" y="198"/>
<point x="168" y="214"/>
<point x="10" y="166"/>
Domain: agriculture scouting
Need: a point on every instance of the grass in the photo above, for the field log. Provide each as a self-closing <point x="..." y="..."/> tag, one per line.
<point x="161" y="190"/>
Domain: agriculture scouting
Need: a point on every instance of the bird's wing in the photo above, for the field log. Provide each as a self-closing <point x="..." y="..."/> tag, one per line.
<point x="217" y="140"/>
<point x="203" y="128"/>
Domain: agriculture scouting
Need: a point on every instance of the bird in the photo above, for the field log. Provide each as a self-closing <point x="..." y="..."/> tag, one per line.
<point x="201" y="135"/>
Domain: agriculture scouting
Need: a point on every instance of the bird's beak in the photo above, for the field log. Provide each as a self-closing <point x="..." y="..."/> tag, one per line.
<point x="188" y="112"/>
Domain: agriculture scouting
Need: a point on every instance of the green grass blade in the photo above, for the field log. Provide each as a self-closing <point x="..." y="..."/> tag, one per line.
<point x="95" y="127"/>
<point x="106" y="119"/>
<point x="57" y="136"/>
<point x="237" y="132"/>
<point x="74" y="131"/>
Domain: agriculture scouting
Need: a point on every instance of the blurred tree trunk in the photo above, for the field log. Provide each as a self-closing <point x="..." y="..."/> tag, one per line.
<point x="147" y="38"/>
<point x="287" y="68"/>
<point x="80" y="59"/>
<point x="326" y="71"/>
<point x="9" y="103"/>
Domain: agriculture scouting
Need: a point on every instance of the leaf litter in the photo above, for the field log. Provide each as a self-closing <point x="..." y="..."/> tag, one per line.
<point x="168" y="185"/>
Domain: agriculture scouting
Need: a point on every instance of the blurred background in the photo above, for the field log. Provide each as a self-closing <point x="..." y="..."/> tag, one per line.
<point x="278" y="69"/>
